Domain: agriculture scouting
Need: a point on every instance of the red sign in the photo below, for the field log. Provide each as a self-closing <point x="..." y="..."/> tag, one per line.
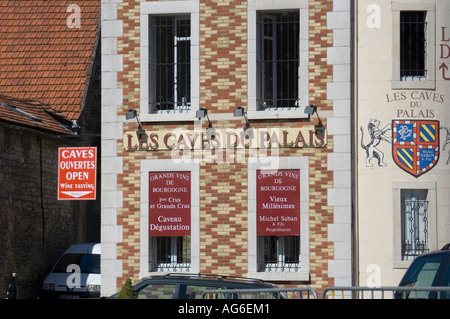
<point x="278" y="203"/>
<point x="170" y="204"/>
<point x="77" y="173"/>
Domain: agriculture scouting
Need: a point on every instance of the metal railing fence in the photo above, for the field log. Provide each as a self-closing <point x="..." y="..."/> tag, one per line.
<point x="344" y="292"/>
<point x="263" y="293"/>
<point x="386" y="293"/>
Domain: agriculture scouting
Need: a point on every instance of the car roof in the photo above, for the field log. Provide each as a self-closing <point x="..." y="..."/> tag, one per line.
<point x="198" y="278"/>
<point x="443" y="251"/>
<point x="84" y="248"/>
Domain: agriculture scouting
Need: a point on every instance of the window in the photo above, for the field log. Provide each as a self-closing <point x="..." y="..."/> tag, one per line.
<point x="169" y="67"/>
<point x="88" y="263"/>
<point x="170" y="47"/>
<point x="414" y="45"/>
<point x="414" y="222"/>
<point x="413" y="48"/>
<point x="279" y="253"/>
<point x="171" y="253"/>
<point x="170" y="242"/>
<point x="157" y="291"/>
<point x="278" y="59"/>
<point x="278" y="215"/>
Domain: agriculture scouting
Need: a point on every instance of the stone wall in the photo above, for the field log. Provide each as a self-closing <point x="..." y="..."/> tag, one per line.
<point x="35" y="227"/>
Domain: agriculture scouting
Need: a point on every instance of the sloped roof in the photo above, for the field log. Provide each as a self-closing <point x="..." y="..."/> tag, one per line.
<point x="31" y="114"/>
<point x="44" y="58"/>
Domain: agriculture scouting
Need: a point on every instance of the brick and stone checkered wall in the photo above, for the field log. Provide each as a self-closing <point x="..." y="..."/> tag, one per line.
<point x="223" y="184"/>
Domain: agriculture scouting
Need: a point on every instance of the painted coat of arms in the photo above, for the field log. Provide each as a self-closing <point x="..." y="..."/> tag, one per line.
<point x="415" y="145"/>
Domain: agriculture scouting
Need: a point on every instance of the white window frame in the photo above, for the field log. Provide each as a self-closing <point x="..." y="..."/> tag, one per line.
<point x="255" y="6"/>
<point x="261" y="163"/>
<point x="164" y="165"/>
<point x="191" y="8"/>
<point x="432" y="217"/>
<point x="430" y="81"/>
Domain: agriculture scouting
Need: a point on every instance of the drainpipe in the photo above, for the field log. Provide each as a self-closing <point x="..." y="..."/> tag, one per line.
<point x="353" y="134"/>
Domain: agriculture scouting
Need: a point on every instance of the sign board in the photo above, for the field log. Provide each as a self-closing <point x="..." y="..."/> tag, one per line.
<point x="77" y="173"/>
<point x="278" y="202"/>
<point x="180" y="138"/>
<point x="169" y="204"/>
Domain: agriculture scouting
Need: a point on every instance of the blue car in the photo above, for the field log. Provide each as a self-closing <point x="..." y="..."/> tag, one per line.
<point x="428" y="270"/>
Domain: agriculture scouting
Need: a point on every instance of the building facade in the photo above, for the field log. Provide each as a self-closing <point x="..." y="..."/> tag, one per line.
<point x="226" y="142"/>
<point x="49" y="98"/>
<point x="402" y="136"/>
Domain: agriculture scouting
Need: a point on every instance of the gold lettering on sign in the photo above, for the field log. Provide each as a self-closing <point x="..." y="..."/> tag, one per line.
<point x="183" y="139"/>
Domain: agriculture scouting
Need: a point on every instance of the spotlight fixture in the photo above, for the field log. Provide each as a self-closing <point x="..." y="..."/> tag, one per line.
<point x="201" y="113"/>
<point x="239" y="111"/>
<point x="140" y="131"/>
<point x="131" y="114"/>
<point x="310" y="109"/>
<point x="210" y="131"/>
<point x="319" y="129"/>
<point x="248" y="130"/>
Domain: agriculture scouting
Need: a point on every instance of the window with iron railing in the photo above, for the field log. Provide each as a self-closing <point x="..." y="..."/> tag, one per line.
<point x="170" y="63"/>
<point x="279" y="253"/>
<point x="171" y="254"/>
<point x="413" y="46"/>
<point x="414" y="210"/>
<point x="278" y="52"/>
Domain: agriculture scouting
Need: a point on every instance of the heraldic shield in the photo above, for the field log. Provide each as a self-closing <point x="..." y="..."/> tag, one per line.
<point x="415" y="145"/>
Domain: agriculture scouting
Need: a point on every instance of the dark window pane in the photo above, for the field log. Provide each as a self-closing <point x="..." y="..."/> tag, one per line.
<point x="412" y="44"/>
<point x="278" y="59"/>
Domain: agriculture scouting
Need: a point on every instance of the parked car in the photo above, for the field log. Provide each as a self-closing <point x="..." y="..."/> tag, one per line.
<point x="75" y="275"/>
<point x="187" y="286"/>
<point x="428" y="270"/>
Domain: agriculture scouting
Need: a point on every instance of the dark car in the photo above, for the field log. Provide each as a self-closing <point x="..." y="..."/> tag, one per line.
<point x="428" y="270"/>
<point x="187" y="286"/>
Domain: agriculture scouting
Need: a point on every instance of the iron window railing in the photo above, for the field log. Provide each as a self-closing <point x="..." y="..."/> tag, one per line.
<point x="171" y="254"/>
<point x="413" y="53"/>
<point x="414" y="223"/>
<point x="170" y="58"/>
<point x="279" y="254"/>
<point x="278" y="59"/>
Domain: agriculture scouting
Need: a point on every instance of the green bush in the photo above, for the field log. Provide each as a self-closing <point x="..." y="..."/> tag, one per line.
<point x="127" y="291"/>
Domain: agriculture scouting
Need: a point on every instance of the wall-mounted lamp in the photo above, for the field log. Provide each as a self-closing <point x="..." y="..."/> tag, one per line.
<point x="140" y="131"/>
<point x="248" y="130"/>
<point x="319" y="129"/>
<point x="131" y="114"/>
<point x="210" y="130"/>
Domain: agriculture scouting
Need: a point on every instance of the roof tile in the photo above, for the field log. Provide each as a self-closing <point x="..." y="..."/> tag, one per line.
<point x="31" y="114"/>
<point x="44" y="55"/>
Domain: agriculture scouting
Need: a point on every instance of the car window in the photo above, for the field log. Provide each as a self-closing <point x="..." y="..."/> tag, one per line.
<point x="194" y="291"/>
<point x="88" y="263"/>
<point x="423" y="271"/>
<point x="156" y="291"/>
<point x="446" y="279"/>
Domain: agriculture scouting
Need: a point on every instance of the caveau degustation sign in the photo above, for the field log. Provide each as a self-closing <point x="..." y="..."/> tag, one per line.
<point x="169" y="204"/>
